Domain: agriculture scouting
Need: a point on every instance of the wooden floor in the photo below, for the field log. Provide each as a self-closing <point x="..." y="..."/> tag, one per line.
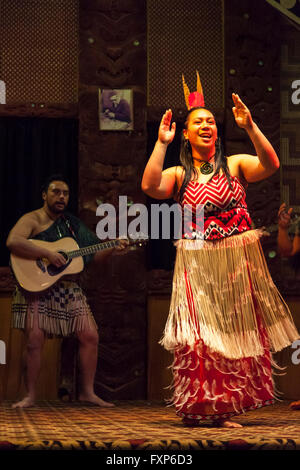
<point x="141" y="426"/>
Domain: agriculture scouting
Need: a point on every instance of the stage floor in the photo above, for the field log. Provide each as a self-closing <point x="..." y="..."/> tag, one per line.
<point x="141" y="426"/>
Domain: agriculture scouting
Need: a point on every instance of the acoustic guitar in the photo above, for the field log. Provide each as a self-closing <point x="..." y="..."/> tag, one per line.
<point x="36" y="275"/>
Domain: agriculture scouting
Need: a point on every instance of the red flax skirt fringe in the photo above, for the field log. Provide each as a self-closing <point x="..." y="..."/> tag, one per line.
<point x="225" y="316"/>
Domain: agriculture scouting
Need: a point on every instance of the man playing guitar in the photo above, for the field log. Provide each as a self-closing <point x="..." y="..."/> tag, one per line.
<point x="61" y="310"/>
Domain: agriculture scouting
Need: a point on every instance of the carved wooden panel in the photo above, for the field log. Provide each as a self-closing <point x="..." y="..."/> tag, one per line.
<point x="290" y="140"/>
<point x="252" y="69"/>
<point x="113" y="55"/>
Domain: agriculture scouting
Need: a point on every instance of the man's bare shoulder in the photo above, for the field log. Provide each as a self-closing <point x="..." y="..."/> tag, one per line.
<point x="32" y="216"/>
<point x="27" y="226"/>
<point x="33" y="219"/>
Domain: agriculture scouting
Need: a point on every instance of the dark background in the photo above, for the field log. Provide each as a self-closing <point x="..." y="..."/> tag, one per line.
<point x="31" y="150"/>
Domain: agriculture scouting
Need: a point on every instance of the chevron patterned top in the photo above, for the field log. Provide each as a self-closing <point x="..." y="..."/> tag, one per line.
<point x="225" y="210"/>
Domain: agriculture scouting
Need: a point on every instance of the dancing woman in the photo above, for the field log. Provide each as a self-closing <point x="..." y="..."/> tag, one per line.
<point x="225" y="314"/>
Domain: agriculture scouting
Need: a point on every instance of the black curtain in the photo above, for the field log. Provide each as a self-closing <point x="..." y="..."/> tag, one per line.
<point x="31" y="150"/>
<point x="161" y="253"/>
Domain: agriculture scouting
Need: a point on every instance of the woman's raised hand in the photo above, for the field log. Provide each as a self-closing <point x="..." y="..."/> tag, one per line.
<point x="241" y="113"/>
<point x="165" y="133"/>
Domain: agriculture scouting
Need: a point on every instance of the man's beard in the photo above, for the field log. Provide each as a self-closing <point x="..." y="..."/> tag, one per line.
<point x="57" y="210"/>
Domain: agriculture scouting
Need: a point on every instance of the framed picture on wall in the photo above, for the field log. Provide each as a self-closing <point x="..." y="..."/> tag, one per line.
<point x="115" y="110"/>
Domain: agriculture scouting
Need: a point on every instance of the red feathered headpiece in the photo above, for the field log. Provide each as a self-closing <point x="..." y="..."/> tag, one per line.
<point x="196" y="98"/>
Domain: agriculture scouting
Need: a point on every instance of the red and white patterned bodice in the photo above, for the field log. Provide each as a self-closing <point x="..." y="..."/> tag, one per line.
<point x="225" y="209"/>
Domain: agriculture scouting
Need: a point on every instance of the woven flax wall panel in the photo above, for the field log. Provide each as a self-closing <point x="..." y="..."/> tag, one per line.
<point x="182" y="37"/>
<point x="253" y="37"/>
<point x="39" y="50"/>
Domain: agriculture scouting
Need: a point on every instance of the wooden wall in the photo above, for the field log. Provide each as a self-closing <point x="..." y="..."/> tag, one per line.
<point x="12" y="386"/>
<point x="289" y="138"/>
<point x="252" y="69"/>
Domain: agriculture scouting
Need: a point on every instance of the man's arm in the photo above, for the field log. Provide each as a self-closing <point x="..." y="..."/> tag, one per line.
<point x="286" y="246"/>
<point x="102" y="255"/>
<point x="18" y="243"/>
<point x="284" y="242"/>
<point x="86" y="237"/>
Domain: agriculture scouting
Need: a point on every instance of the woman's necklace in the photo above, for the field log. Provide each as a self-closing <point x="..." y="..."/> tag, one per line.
<point x="205" y="167"/>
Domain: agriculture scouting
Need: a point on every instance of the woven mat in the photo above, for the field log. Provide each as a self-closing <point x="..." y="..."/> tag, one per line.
<point x="140" y="426"/>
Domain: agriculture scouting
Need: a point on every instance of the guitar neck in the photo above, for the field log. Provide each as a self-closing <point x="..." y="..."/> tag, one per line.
<point x="89" y="250"/>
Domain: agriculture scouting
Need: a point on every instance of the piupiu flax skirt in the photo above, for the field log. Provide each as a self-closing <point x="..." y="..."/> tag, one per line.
<point x="61" y="310"/>
<point x="225" y="316"/>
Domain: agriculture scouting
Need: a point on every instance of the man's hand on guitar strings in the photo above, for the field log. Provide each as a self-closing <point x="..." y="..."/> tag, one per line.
<point x="57" y="259"/>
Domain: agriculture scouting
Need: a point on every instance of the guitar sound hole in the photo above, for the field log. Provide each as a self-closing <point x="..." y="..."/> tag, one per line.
<point x="41" y="265"/>
<point x="54" y="270"/>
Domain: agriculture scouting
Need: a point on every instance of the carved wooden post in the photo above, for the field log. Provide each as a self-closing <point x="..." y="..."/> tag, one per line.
<point x="113" y="56"/>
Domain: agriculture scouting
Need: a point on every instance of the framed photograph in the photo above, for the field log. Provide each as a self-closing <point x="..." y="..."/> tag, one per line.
<point x="115" y="110"/>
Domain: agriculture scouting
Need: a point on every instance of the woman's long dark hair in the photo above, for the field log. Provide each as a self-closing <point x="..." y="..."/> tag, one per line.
<point x="186" y="159"/>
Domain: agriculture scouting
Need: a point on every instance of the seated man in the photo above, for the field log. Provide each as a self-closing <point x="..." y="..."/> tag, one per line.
<point x="62" y="309"/>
